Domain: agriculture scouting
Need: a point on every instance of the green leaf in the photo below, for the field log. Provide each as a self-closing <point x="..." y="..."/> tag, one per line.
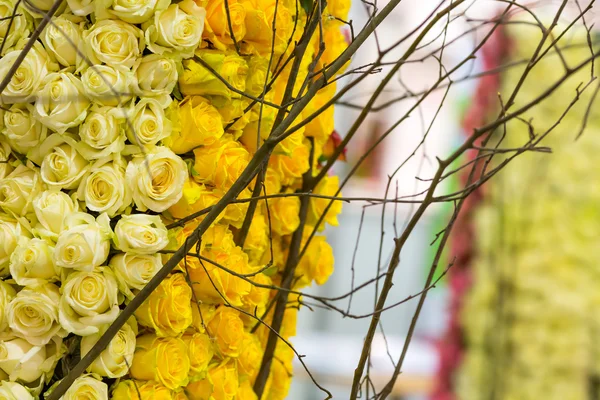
<point x="306" y="5"/>
<point x="177" y="93"/>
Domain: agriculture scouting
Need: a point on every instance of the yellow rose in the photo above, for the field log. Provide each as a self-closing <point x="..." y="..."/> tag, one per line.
<point x="257" y="240"/>
<point x="102" y="133"/>
<point x="62" y="166"/>
<point x="167" y="310"/>
<point x="196" y="197"/>
<point x="258" y="74"/>
<point x="149" y="390"/>
<point x="201" y="315"/>
<point x="235" y="213"/>
<point x="63" y="37"/>
<point x="164" y="360"/>
<point x="337" y="9"/>
<point x="140" y="234"/>
<point x="228" y="329"/>
<point x="14" y="391"/>
<point x="10" y="233"/>
<point x="259" y="26"/>
<point x="25" y="362"/>
<point x="220" y="164"/>
<point x="89" y="301"/>
<point x="199" y="390"/>
<point x="157" y="178"/>
<point x="224" y="380"/>
<point x="20" y="26"/>
<point x="107" y="85"/>
<point x="177" y="30"/>
<point x="317" y="262"/>
<point x="200" y="125"/>
<point x="134" y="12"/>
<point x="250" y="356"/>
<point x="22" y="131"/>
<point x="85" y="242"/>
<point x="284" y="213"/>
<point x="19" y="188"/>
<point x="322" y="126"/>
<point x="233" y="111"/>
<point x="113" y="42"/>
<point x="31" y="263"/>
<point x="87" y="387"/>
<point x="51" y="208"/>
<point x="200" y="350"/>
<point x="328" y="186"/>
<point x="199" y="81"/>
<point x="281" y="372"/>
<point x="104" y="189"/>
<point x="156" y="76"/>
<point x="115" y="359"/>
<point x="33" y="314"/>
<point x="245" y="391"/>
<point x="134" y="271"/>
<point x="290" y="158"/>
<point x="336" y="44"/>
<point x="258" y="297"/>
<point x="218" y="18"/>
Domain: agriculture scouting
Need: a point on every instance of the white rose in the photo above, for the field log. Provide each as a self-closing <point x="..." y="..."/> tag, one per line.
<point x="155" y="75"/>
<point x="18" y="189"/>
<point x="51" y="208"/>
<point x="62" y="166"/>
<point x="102" y="133"/>
<point x="134" y="12"/>
<point x="26" y="82"/>
<point x="5" y="160"/>
<point x="134" y="271"/>
<point x="31" y="263"/>
<point x="141" y="234"/>
<point x="33" y="314"/>
<point x="149" y="123"/>
<point x="83" y="245"/>
<point x="157" y="179"/>
<point x="177" y="30"/>
<point x="61" y="104"/>
<point x="7" y="293"/>
<point x="10" y="232"/>
<point x="107" y="85"/>
<point x="22" y="130"/>
<point x="104" y="189"/>
<point x="14" y="391"/>
<point x="88" y="388"/>
<point x="115" y="43"/>
<point x="89" y="302"/>
<point x="63" y="37"/>
<point x="20" y="26"/>
<point x="115" y="359"/>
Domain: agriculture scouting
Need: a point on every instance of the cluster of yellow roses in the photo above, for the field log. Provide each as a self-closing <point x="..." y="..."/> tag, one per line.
<point x="114" y="127"/>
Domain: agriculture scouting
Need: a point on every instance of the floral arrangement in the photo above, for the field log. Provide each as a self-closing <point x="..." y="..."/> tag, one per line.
<point x="123" y="122"/>
<point x="530" y="317"/>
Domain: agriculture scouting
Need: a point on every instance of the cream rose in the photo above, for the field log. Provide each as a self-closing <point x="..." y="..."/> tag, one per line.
<point x="114" y="42"/>
<point x="149" y="124"/>
<point x="141" y="234"/>
<point x="26" y="82"/>
<point x="134" y="271"/>
<point x="39" y="8"/>
<point x="33" y="314"/>
<point x="61" y="103"/>
<point x="155" y="75"/>
<point x="31" y="263"/>
<point x="102" y="133"/>
<point x="5" y="160"/>
<point x="104" y="189"/>
<point x="177" y="30"/>
<point x="85" y="242"/>
<point x="25" y="362"/>
<point x="115" y="360"/>
<point x="63" y="37"/>
<point x="23" y="131"/>
<point x="62" y="165"/>
<point x="157" y="179"/>
<point x="107" y="85"/>
<point x="19" y="30"/>
<point x="14" y="391"/>
<point x="89" y="302"/>
<point x="10" y="232"/>
<point x="134" y="12"/>
<point x="87" y="387"/>
<point x="19" y="188"/>
<point x="7" y="293"/>
<point x="51" y="208"/>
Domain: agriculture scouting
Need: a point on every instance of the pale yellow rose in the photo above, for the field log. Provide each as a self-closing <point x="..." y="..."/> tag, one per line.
<point x="134" y="271"/>
<point x="22" y="131"/>
<point x="39" y="8"/>
<point x="25" y="84"/>
<point x="140" y="234"/>
<point x="20" y="24"/>
<point x="114" y="42"/>
<point x="102" y="133"/>
<point x="18" y="189"/>
<point x="157" y="179"/>
<point x="51" y="208"/>
<point x="31" y="263"/>
<point x="84" y="243"/>
<point x="61" y="103"/>
<point x="116" y="358"/>
<point x="89" y="301"/>
<point x="104" y="188"/>
<point x="25" y="362"/>
<point x="134" y="12"/>
<point x="62" y="166"/>
<point x="149" y="124"/>
<point x="148" y="390"/>
<point x="7" y="293"/>
<point x="81" y="7"/>
<point x="10" y="232"/>
<point x="63" y="37"/>
<point x="33" y="314"/>
<point x="164" y="360"/>
<point x="177" y="30"/>
<point x="14" y="391"/>
<point x="155" y="76"/>
<point x="5" y="160"/>
<point x="87" y="387"/>
<point x="107" y="85"/>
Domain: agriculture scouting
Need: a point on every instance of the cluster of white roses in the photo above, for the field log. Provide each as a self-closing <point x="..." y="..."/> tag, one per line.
<point x="81" y="127"/>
